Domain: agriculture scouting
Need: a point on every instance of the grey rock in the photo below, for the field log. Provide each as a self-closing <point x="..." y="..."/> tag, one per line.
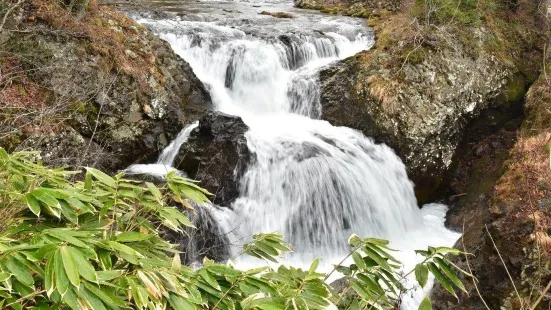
<point x="216" y="153"/>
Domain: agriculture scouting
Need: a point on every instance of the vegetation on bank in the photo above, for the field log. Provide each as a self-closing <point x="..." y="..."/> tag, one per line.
<point x="97" y="244"/>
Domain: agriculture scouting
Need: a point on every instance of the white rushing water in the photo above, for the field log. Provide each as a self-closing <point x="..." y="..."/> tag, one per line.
<point x="313" y="182"/>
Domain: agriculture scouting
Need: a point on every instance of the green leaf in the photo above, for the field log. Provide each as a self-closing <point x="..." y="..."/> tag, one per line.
<point x="131" y="254"/>
<point x="359" y="289"/>
<point x="108" y="275"/>
<point x="85" y="269"/>
<point x="154" y="191"/>
<point x="133" y="236"/>
<point x="421" y="274"/>
<point x="67" y="236"/>
<point x="102" y="177"/>
<point x="139" y="294"/>
<point x="61" y="280"/>
<point x="71" y="299"/>
<point x="90" y="300"/>
<point x="441" y="279"/>
<point x="49" y="276"/>
<point x="33" y="204"/>
<point x="107" y="297"/>
<point x="358" y="260"/>
<point x="446" y="250"/>
<point x="425" y="304"/>
<point x="19" y="270"/>
<point x="449" y="272"/>
<point x="176" y="263"/>
<point x="314" y="266"/>
<point x="70" y="265"/>
<point x="209" y="279"/>
<point x="178" y="302"/>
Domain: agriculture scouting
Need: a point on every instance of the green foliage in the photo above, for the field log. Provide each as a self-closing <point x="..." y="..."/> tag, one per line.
<point x="96" y="244"/>
<point x="445" y="11"/>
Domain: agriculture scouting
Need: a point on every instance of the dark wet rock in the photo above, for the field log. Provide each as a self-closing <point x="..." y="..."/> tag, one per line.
<point x="216" y="153"/>
<point x="205" y="240"/>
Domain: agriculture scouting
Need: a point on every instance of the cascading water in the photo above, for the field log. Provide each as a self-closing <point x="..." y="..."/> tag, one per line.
<point x="313" y="182"/>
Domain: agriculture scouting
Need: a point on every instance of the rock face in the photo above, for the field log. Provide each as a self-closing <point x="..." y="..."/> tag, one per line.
<point x="506" y="208"/>
<point x="118" y="91"/>
<point x="359" y="8"/>
<point x="423" y="116"/>
<point x="216" y="153"/>
<point x="419" y="98"/>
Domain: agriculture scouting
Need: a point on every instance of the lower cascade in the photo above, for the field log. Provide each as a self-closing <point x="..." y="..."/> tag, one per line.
<point x="312" y="182"/>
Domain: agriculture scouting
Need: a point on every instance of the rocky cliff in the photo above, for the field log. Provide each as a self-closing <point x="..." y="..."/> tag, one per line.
<point x="455" y="91"/>
<point x="91" y="87"/>
<point x="505" y="214"/>
<point x="429" y="76"/>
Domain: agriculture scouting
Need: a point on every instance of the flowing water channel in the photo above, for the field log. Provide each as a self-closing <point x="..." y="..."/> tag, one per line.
<point x="313" y="182"/>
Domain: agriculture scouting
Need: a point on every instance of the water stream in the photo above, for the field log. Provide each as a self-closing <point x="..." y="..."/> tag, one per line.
<point x="313" y="182"/>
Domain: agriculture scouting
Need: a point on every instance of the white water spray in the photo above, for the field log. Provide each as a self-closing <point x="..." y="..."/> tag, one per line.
<point x="313" y="182"/>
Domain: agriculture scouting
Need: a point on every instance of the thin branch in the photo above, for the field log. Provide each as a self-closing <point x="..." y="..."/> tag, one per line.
<point x="504" y="265"/>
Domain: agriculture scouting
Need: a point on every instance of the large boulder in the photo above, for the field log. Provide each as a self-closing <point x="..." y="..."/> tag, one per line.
<point x="419" y="97"/>
<point x="423" y="116"/>
<point x="216" y="153"/>
<point x="119" y="93"/>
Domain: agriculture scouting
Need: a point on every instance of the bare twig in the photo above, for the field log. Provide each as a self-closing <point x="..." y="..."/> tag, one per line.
<point x="504" y="265"/>
<point x="471" y="271"/>
<point x="8" y="12"/>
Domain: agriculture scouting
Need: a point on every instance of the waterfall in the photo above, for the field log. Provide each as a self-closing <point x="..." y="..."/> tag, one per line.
<point x="165" y="161"/>
<point x="313" y="182"/>
<point x="169" y="153"/>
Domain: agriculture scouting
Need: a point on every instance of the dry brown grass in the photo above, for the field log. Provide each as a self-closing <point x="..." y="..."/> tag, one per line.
<point x="526" y="186"/>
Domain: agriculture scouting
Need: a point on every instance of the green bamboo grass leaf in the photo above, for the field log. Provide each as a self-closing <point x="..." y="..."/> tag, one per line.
<point x="176" y="263"/>
<point x="314" y="266"/>
<point x="49" y="276"/>
<point x="109" y="298"/>
<point x="377" y="258"/>
<point x="154" y="190"/>
<point x="139" y="294"/>
<point x="133" y="236"/>
<point x="91" y="301"/>
<point x="85" y="269"/>
<point x="65" y="235"/>
<point x="358" y="260"/>
<point x="441" y="278"/>
<point x="357" y="286"/>
<point x="61" y="280"/>
<point x="19" y="271"/>
<point x="88" y="181"/>
<point x="68" y="212"/>
<point x="449" y="273"/>
<point x="446" y="250"/>
<point x="70" y="265"/>
<point x="370" y="283"/>
<point x="178" y="302"/>
<point x="71" y="299"/>
<point x="209" y="279"/>
<point x="33" y="204"/>
<point x="421" y="274"/>
<point x="102" y="177"/>
<point x="425" y="304"/>
<point x="4" y="276"/>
